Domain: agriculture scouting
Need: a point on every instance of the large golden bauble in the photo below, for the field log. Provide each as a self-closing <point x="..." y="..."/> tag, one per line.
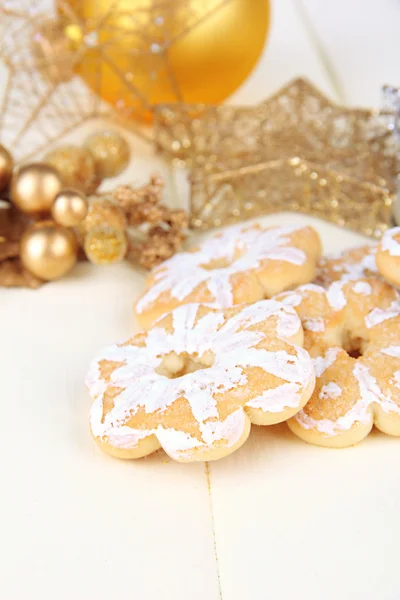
<point x="34" y="187"/>
<point x="48" y="250"/>
<point x="6" y="167"/>
<point x="208" y="63"/>
<point x="70" y="207"/>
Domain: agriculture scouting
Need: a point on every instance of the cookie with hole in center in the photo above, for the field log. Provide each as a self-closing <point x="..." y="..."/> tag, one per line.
<point x="347" y="265"/>
<point x="239" y="265"/>
<point x="195" y="381"/>
<point x="352" y="332"/>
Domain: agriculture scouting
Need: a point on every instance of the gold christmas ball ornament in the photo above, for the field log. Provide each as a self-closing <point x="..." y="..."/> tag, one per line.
<point x="105" y="245"/>
<point x="76" y="167"/>
<point x="70" y="207"/>
<point x="6" y="167"/>
<point x="48" y="250"/>
<point x="34" y="187"/>
<point x="104" y="212"/>
<point x="142" y="54"/>
<point x="110" y="151"/>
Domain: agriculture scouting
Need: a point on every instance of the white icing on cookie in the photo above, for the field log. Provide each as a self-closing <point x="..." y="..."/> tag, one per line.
<point x="352" y="269"/>
<point x="243" y="248"/>
<point x="322" y="363"/>
<point x="362" y="287"/>
<point x="315" y="324"/>
<point x="379" y="315"/>
<point x="235" y="345"/>
<point x="388" y="242"/>
<point x="361" y="411"/>
<point x="392" y="351"/>
<point x="335" y="295"/>
<point x="330" y="391"/>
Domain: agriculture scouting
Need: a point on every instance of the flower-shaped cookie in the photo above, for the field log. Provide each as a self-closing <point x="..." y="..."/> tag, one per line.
<point x="347" y="265"/>
<point x="352" y="331"/>
<point x="195" y="382"/>
<point x="238" y="265"/>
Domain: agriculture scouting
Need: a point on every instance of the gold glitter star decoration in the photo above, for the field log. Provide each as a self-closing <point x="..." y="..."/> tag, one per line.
<point x="296" y="151"/>
<point x="85" y="60"/>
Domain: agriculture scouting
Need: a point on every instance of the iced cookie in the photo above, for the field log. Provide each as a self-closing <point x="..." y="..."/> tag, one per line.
<point x="239" y="265"/>
<point x="195" y="382"/>
<point x="388" y="256"/>
<point x="347" y="265"/>
<point x="352" y="332"/>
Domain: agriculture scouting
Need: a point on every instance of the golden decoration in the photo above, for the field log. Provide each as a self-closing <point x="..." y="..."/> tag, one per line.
<point x="54" y="54"/>
<point x="105" y="245"/>
<point x="134" y="224"/>
<point x="14" y="274"/>
<point x="110" y="151"/>
<point x="34" y="187"/>
<point x="6" y="167"/>
<point x="76" y="167"/>
<point x="69" y="208"/>
<point x="295" y="151"/>
<point x="12" y="227"/>
<point x="48" y="250"/>
<point x="159" y="231"/>
<point x="103" y="211"/>
<point x="37" y="110"/>
<point x="148" y="52"/>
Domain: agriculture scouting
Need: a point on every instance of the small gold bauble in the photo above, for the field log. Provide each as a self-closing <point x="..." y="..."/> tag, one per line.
<point x="34" y="187"/>
<point x="110" y="151"/>
<point x="6" y="167"/>
<point x="104" y="212"/>
<point x="76" y="166"/>
<point x="48" y="250"/>
<point x="69" y="207"/>
<point x="105" y="245"/>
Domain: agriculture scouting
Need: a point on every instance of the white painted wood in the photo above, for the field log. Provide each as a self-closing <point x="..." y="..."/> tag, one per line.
<point x="361" y="41"/>
<point x="290" y="520"/>
<point x="76" y="523"/>
<point x="297" y="521"/>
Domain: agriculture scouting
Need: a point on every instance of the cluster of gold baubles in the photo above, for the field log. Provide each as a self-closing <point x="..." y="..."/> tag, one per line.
<point x="54" y="193"/>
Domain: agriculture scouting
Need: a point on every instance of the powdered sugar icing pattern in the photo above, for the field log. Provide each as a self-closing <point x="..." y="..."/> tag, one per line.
<point x="238" y="248"/>
<point x="234" y="343"/>
<point x="389" y="242"/>
<point x="373" y="382"/>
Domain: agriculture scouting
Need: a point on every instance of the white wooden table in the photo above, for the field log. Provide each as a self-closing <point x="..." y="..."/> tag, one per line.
<point x="278" y="519"/>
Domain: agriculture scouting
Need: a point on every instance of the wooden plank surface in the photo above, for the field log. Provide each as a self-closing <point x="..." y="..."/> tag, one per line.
<point x="75" y="522"/>
<point x="275" y="520"/>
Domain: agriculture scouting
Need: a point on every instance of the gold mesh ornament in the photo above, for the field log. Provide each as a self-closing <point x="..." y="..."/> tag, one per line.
<point x="43" y="49"/>
<point x="295" y="151"/>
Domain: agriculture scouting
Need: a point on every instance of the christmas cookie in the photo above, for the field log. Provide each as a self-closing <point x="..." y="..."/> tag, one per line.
<point x="347" y="265"/>
<point x="352" y="332"/>
<point x="195" y="382"/>
<point x="239" y="265"/>
<point x="388" y="255"/>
